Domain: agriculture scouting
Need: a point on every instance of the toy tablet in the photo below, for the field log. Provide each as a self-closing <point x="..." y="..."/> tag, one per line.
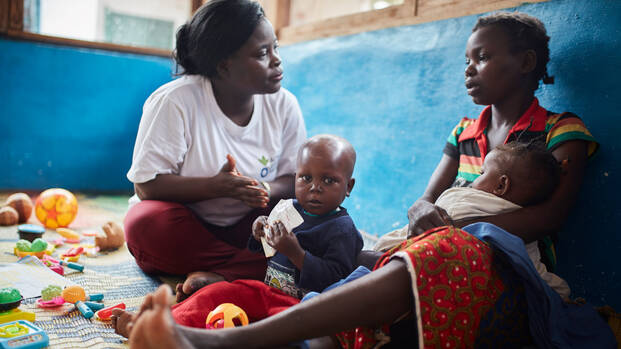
<point x="22" y="334"/>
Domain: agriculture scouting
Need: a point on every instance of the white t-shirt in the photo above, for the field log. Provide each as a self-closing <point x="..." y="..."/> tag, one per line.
<point x="184" y="132"/>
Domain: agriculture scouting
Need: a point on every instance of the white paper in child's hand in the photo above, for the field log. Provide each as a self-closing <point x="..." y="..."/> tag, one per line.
<point x="288" y="215"/>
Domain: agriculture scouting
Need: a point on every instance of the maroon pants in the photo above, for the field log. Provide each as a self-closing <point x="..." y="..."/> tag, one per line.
<point x="166" y="237"/>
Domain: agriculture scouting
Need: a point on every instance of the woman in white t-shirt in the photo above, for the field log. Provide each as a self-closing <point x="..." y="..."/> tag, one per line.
<point x="214" y="148"/>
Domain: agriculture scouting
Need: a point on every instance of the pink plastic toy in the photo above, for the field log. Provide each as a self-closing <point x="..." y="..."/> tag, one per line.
<point x="53" y="265"/>
<point x="53" y="303"/>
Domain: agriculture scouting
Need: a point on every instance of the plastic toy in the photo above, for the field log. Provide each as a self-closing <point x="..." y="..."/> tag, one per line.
<point x="91" y="250"/>
<point x="22" y="203"/>
<point x="106" y="313"/>
<point x="24" y="245"/>
<point x="90" y="233"/>
<point x="22" y="334"/>
<point x="73" y="252"/>
<point x="24" y="248"/>
<point x="94" y="306"/>
<point x="113" y="237"/>
<point x="38" y="245"/>
<point x="76" y="295"/>
<point x="30" y="231"/>
<point x="68" y="234"/>
<point x="73" y="294"/>
<point x="56" y="208"/>
<point x="75" y="266"/>
<point x="52" y="303"/>
<point x="51" y="292"/>
<point x="10" y="299"/>
<point x="226" y="315"/>
<point x="55" y="267"/>
<point x="8" y="216"/>
<point x="84" y="309"/>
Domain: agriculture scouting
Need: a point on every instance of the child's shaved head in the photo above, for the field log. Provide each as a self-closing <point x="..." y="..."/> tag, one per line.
<point x="334" y="147"/>
<point x="535" y="172"/>
<point x="324" y="173"/>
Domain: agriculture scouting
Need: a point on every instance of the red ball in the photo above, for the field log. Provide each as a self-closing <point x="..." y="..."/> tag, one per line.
<point x="22" y="203"/>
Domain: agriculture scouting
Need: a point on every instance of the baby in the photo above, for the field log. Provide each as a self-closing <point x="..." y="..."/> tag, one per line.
<point x="324" y="248"/>
<point x="513" y="175"/>
<point x="317" y="253"/>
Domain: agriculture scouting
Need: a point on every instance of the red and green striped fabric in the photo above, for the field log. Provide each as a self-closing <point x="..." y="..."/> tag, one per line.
<point x="468" y="142"/>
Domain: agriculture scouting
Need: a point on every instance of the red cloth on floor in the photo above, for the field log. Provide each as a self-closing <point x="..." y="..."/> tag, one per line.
<point x="257" y="299"/>
<point x="166" y="237"/>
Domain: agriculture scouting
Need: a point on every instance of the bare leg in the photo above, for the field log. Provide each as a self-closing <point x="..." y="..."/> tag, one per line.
<point x="382" y="296"/>
<point x="155" y="328"/>
<point x="194" y="282"/>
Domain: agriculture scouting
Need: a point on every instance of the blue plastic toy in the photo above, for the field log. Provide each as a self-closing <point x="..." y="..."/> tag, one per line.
<point x="22" y="334"/>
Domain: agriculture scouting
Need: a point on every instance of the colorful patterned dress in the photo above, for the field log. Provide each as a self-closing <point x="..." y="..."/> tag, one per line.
<point x="465" y="296"/>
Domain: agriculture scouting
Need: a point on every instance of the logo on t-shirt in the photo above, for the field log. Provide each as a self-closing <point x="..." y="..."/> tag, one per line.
<point x="265" y="170"/>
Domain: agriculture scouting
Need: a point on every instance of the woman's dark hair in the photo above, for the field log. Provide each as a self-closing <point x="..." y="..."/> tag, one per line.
<point x="533" y="167"/>
<point x="215" y="32"/>
<point x="525" y="33"/>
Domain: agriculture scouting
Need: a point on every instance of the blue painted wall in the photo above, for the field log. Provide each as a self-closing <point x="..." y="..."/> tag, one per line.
<point x="397" y="93"/>
<point x="69" y="117"/>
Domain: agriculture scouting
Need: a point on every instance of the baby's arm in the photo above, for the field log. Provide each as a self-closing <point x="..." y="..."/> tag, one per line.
<point x="257" y="227"/>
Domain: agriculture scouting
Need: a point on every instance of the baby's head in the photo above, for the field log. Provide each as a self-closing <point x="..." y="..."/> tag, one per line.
<point x="523" y="173"/>
<point x="323" y="176"/>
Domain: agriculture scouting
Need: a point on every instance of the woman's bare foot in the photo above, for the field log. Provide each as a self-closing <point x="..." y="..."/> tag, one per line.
<point x="154" y="327"/>
<point x="195" y="281"/>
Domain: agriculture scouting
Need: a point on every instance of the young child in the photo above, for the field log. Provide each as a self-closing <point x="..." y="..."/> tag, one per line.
<point x="319" y="252"/>
<point x="324" y="248"/>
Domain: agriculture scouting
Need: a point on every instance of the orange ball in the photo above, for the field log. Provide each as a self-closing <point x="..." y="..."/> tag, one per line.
<point x="56" y="208"/>
<point x="8" y="216"/>
<point x="226" y="315"/>
<point x="22" y="203"/>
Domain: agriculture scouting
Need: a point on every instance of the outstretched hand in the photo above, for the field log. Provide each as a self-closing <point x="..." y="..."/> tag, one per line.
<point x="231" y="183"/>
<point x="424" y="215"/>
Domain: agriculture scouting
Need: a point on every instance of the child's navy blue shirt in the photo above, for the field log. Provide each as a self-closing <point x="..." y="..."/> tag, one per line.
<point x="332" y="244"/>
